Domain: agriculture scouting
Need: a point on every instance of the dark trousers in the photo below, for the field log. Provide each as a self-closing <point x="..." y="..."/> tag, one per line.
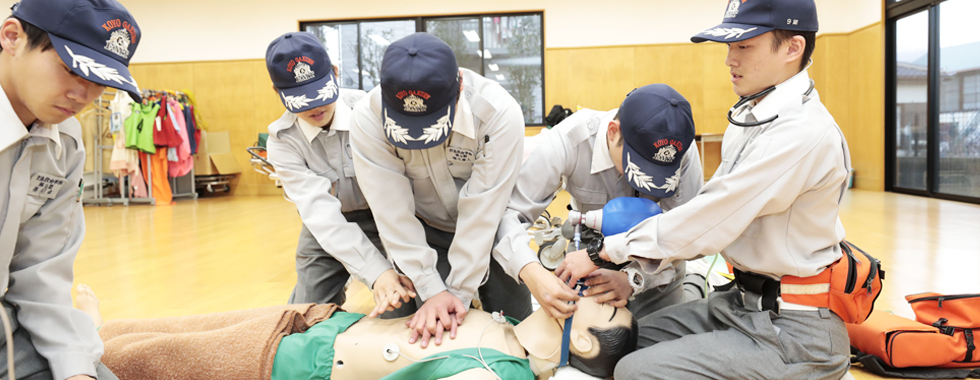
<point x="499" y="293"/>
<point x="320" y="278"/>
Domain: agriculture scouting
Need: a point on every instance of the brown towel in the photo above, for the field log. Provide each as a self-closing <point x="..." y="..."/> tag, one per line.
<point x="234" y="345"/>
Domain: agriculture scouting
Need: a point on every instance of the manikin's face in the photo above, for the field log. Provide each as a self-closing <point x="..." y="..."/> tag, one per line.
<point x="43" y="86"/>
<point x="754" y="65"/>
<point x="600" y="316"/>
<point x="320" y="116"/>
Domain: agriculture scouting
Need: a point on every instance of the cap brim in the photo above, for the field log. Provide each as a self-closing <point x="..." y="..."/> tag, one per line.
<point x="417" y="132"/>
<point x="95" y="66"/>
<point x="649" y="178"/>
<point x="315" y="94"/>
<point x="730" y="32"/>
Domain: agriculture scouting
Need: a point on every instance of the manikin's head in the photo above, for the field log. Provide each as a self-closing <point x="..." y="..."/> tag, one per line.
<point x="601" y="335"/>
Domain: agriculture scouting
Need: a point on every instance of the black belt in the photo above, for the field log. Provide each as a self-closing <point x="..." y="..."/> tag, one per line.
<point x="765" y="290"/>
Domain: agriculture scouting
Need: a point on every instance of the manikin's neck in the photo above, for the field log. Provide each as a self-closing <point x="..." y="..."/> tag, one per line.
<point x="541" y="337"/>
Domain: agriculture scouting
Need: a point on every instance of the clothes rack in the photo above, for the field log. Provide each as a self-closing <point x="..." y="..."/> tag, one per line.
<point x="96" y="176"/>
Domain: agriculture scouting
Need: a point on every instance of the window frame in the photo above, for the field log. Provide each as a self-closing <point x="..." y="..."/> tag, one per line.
<point x="421" y="27"/>
<point x="893" y="12"/>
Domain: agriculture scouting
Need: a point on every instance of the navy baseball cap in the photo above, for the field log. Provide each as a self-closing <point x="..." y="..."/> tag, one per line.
<point x="95" y="38"/>
<point x="419" y="89"/>
<point x="658" y="130"/>
<point x="301" y="70"/>
<point x="746" y="19"/>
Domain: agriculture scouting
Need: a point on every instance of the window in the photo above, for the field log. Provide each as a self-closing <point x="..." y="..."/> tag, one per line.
<point x="507" y="48"/>
<point x="933" y="102"/>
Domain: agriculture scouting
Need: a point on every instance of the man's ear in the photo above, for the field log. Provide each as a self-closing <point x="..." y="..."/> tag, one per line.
<point x="613" y="133"/>
<point x="583" y="343"/>
<point x="460" y="80"/>
<point x="336" y="71"/>
<point x="11" y="35"/>
<point x="794" y="51"/>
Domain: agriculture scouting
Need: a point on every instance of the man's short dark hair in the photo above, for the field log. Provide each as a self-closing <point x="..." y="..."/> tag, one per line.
<point x="36" y="37"/>
<point x="779" y="36"/>
<point x="614" y="344"/>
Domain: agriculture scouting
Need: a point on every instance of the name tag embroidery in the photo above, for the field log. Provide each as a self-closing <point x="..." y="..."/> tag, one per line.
<point x="45" y="185"/>
<point x="459" y="154"/>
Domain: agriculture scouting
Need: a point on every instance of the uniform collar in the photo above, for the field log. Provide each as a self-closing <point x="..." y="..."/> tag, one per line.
<point x="341" y="122"/>
<point x="784" y="92"/>
<point x="13" y="131"/>
<point x="464" y="118"/>
<point x="601" y="160"/>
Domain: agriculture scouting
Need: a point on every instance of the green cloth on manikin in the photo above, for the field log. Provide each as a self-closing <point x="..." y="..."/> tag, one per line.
<point x="450" y="363"/>
<point x="139" y="127"/>
<point x="310" y="355"/>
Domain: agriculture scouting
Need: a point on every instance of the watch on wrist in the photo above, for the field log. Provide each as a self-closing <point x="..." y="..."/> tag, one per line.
<point x="635" y="279"/>
<point x="593" y="249"/>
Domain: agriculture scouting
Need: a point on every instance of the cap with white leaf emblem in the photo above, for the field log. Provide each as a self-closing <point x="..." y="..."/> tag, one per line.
<point x="419" y="89"/>
<point x="301" y="71"/>
<point x="95" y="38"/>
<point x="658" y="129"/>
<point x="746" y="19"/>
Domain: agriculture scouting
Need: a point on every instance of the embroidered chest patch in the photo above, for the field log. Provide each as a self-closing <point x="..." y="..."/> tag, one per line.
<point x="460" y="154"/>
<point x="45" y="185"/>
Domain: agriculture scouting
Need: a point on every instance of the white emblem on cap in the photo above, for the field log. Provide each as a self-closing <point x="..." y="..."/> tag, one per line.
<point x="728" y="32"/>
<point x="396" y="132"/>
<point x="666" y="154"/>
<point x="732" y="8"/>
<point x="414" y="104"/>
<point x="437" y="130"/>
<point x="644" y="181"/>
<point x="328" y="91"/>
<point x="88" y="65"/>
<point x="303" y="72"/>
<point x="119" y="43"/>
<point x="294" y="102"/>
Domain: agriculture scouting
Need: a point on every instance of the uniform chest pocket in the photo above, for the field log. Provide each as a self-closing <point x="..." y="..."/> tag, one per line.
<point x="460" y="162"/>
<point x="588" y="196"/>
<point x="348" y="160"/>
<point x="31" y="206"/>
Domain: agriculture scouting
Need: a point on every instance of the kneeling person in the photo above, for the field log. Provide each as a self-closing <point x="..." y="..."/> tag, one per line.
<point x="309" y="146"/>
<point x="643" y="149"/>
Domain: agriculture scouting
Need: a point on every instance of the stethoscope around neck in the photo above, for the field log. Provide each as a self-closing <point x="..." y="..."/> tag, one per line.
<point x="746" y="99"/>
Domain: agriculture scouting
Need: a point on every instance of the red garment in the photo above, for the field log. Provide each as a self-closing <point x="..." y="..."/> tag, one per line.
<point x="164" y="132"/>
<point x="158" y="175"/>
<point x="184" y="160"/>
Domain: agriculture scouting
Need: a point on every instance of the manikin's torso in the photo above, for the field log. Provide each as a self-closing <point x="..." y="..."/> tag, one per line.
<point x="361" y="349"/>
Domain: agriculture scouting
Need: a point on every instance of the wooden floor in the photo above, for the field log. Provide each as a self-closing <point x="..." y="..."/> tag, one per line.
<point x="231" y="253"/>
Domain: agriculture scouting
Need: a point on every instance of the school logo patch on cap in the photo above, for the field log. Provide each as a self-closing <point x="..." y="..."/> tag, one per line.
<point x="733" y="8"/>
<point x="119" y="43"/>
<point x="300" y="67"/>
<point x="414" y="100"/>
<point x="666" y="154"/>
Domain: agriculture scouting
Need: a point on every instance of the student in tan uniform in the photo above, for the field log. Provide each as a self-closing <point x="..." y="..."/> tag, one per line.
<point x="57" y="57"/>
<point x="771" y="210"/>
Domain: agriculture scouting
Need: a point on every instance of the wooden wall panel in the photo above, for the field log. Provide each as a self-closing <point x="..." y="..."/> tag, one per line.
<point x="671" y="65"/>
<point x="596" y="78"/>
<point x="233" y="96"/>
<point x="866" y="86"/>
